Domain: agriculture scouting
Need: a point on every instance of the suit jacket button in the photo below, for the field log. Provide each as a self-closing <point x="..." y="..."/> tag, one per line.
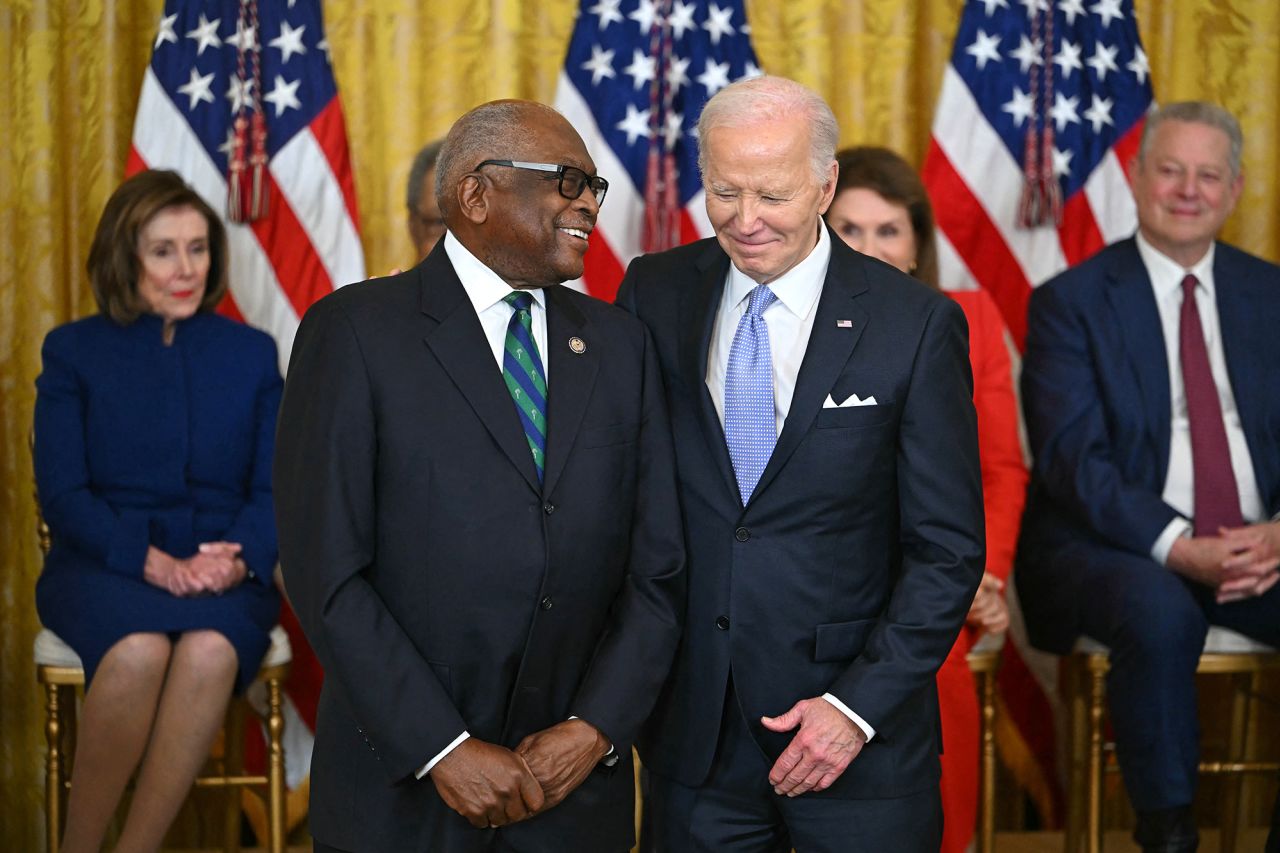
<point x="546" y="603"/>
<point x="742" y="534"/>
<point x="548" y="507"/>
<point x="722" y="622"/>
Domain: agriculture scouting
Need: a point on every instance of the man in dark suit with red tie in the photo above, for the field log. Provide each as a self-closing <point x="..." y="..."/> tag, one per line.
<point x="1150" y="384"/>
<point x="828" y="467"/>
<point x="475" y="489"/>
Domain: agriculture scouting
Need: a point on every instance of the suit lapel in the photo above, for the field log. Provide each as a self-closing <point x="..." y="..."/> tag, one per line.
<point x="571" y="377"/>
<point x="457" y="340"/>
<point x="829" y="349"/>
<point x="1137" y="321"/>
<point x="698" y="308"/>
<point x="1239" y="300"/>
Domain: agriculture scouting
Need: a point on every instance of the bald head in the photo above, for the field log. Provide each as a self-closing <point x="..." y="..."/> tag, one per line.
<point x="496" y="130"/>
<point x="515" y="213"/>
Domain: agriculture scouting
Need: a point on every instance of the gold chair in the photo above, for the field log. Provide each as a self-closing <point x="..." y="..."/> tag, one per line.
<point x="984" y="661"/>
<point x="59" y="671"/>
<point x="1225" y="653"/>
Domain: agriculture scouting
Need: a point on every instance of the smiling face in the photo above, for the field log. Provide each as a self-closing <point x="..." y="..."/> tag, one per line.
<point x="1184" y="188"/>
<point x="533" y="236"/>
<point x="875" y="226"/>
<point x="173" y="249"/>
<point x="762" y="196"/>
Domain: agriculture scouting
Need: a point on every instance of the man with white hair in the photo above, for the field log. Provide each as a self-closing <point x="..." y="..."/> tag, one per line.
<point x="828" y="469"/>
<point x="1154" y="509"/>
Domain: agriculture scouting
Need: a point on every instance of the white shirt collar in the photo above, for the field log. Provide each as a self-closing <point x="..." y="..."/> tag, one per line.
<point x="798" y="287"/>
<point x="484" y="287"/>
<point x="1166" y="274"/>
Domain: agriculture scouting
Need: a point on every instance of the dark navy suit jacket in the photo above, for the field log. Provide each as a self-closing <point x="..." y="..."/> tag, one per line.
<point x="442" y="587"/>
<point x="852" y="567"/>
<point x="1095" y="384"/>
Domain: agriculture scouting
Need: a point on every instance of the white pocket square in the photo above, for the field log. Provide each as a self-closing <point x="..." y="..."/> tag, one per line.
<point x="854" y="400"/>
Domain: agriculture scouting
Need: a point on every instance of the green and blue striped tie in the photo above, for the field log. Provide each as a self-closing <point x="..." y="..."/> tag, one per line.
<point x="522" y="371"/>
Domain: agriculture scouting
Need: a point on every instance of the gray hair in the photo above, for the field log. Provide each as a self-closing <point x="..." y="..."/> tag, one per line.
<point x="487" y="132"/>
<point x="424" y="161"/>
<point x="769" y="98"/>
<point x="1196" y="112"/>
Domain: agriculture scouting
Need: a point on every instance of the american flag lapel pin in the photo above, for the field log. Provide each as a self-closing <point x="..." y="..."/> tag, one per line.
<point x="844" y="324"/>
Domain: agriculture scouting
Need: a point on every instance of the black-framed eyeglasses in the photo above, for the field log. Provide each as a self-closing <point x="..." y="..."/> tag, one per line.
<point x="572" y="179"/>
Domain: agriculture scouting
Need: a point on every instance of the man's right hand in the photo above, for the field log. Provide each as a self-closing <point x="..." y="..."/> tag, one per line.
<point x="487" y="784"/>
<point x="1215" y="561"/>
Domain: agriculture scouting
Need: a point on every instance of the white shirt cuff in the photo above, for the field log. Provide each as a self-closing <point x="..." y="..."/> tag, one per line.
<point x="857" y="721"/>
<point x="426" y="768"/>
<point x="1164" y="542"/>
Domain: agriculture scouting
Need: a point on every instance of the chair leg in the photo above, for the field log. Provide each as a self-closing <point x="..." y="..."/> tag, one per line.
<point x="987" y="812"/>
<point x="233" y="765"/>
<point x="1077" y="750"/>
<point x="1098" y="666"/>
<point x="53" y="767"/>
<point x="275" y="767"/>
<point x="1242" y="685"/>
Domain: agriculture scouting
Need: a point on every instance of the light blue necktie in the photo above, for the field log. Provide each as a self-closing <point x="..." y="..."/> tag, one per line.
<point x="750" y="426"/>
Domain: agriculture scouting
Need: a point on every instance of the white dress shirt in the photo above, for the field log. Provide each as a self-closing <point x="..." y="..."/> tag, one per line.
<point x="1179" y="488"/>
<point x="486" y="290"/>
<point x="790" y="321"/>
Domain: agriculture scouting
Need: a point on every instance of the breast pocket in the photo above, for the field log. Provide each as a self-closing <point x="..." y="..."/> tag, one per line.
<point x="606" y="436"/>
<point x="853" y="417"/>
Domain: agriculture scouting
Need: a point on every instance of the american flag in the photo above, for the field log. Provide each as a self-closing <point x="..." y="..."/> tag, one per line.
<point x="211" y="63"/>
<point x="635" y="78"/>
<point x="1041" y="110"/>
<point x="217" y="59"/>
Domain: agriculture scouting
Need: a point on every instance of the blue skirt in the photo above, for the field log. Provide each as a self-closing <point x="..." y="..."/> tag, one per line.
<point x="91" y="608"/>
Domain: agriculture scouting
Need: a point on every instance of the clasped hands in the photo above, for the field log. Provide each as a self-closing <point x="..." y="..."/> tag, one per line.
<point x="1238" y="563"/>
<point x="213" y="569"/>
<point x="492" y="786"/>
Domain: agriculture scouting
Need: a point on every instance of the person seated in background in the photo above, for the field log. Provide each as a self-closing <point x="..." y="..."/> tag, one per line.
<point x="881" y="209"/>
<point x="426" y="222"/>
<point x="1149" y="385"/>
<point x="154" y="428"/>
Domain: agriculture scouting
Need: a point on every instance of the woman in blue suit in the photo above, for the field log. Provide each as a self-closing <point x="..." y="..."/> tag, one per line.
<point x="154" y="428"/>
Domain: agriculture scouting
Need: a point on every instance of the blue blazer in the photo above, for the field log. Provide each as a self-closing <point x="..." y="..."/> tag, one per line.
<point x="140" y="444"/>
<point x="852" y="567"/>
<point x="443" y="588"/>
<point x="1095" y="387"/>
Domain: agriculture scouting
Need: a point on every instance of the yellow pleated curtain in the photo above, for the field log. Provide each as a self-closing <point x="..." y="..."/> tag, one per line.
<point x="70" y="73"/>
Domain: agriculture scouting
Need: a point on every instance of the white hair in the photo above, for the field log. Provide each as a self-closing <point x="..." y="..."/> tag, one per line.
<point x="769" y="98"/>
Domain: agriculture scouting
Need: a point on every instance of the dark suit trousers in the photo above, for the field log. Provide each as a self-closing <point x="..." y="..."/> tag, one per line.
<point x="1154" y="621"/>
<point x="736" y="810"/>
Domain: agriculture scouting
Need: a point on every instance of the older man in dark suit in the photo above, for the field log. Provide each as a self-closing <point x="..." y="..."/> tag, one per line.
<point x="1150" y="390"/>
<point x="828" y="467"/>
<point x="475" y="493"/>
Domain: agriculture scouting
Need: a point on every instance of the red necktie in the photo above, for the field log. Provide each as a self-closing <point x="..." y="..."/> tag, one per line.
<point x="1217" y="501"/>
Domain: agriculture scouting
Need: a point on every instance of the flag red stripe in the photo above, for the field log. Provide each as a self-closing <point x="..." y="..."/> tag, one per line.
<point x="1079" y="233"/>
<point x="602" y="273"/>
<point x="288" y="248"/>
<point x="329" y="129"/>
<point x="978" y="240"/>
